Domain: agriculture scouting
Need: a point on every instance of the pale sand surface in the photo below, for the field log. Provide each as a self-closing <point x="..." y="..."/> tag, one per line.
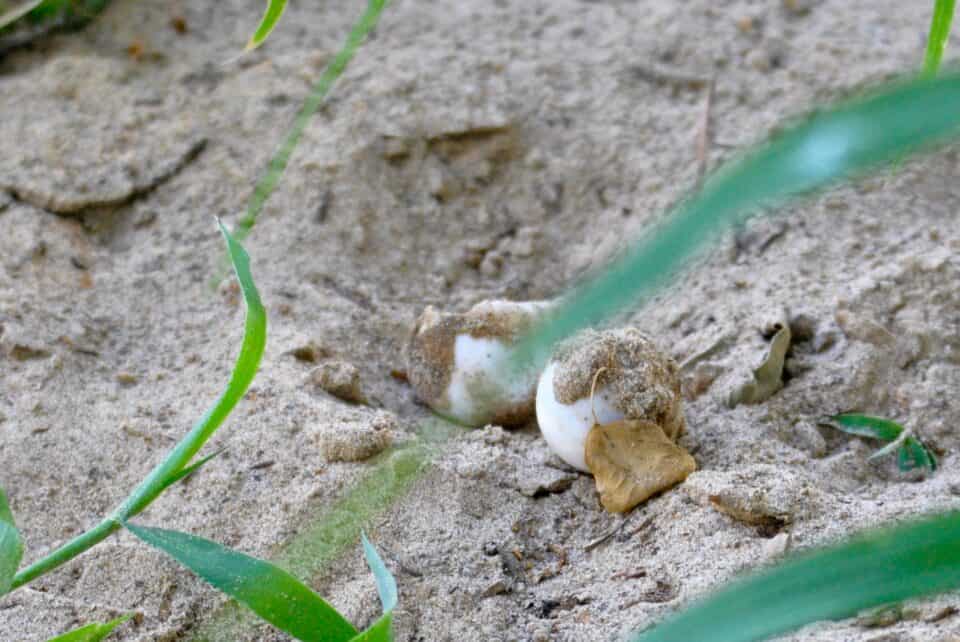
<point x="473" y="150"/>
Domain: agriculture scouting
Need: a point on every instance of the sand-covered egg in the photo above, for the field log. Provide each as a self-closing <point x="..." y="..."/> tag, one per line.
<point x="457" y="363"/>
<point x="634" y="381"/>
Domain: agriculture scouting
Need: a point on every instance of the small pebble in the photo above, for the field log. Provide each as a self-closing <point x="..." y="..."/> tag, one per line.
<point x="126" y="378"/>
<point x="357" y="441"/>
<point x="340" y="379"/>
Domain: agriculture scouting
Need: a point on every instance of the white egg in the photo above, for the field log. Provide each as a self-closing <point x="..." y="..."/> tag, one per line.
<point x="459" y="363"/>
<point x="565" y="426"/>
<point x="629" y="379"/>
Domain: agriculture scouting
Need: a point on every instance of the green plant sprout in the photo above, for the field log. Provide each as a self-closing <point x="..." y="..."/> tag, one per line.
<point x="937" y="39"/>
<point x="337" y="527"/>
<point x="270" y="19"/>
<point x="94" y="632"/>
<point x="270" y="592"/>
<point x="911" y="453"/>
<point x="178" y="460"/>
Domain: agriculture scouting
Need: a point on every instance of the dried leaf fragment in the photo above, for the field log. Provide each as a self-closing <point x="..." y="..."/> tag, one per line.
<point x="768" y="378"/>
<point x="632" y="460"/>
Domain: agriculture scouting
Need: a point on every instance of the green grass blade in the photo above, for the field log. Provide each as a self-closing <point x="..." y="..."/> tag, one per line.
<point x="11" y="546"/>
<point x="386" y="583"/>
<point x="270" y="592"/>
<point x="335" y="529"/>
<point x="159" y="479"/>
<point x="91" y="632"/>
<point x="281" y="157"/>
<point x="937" y="39"/>
<point x="840" y="141"/>
<point x="911" y="453"/>
<point x="11" y="16"/>
<point x="251" y="350"/>
<point x="379" y="631"/>
<point x="270" y="18"/>
<point x="874" y="569"/>
<point x="867" y="426"/>
<point x="189" y="470"/>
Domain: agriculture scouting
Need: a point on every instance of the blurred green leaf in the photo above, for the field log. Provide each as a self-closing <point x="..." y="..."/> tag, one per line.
<point x="269" y="591"/>
<point x="834" y="143"/>
<point x="911" y="453"/>
<point x="12" y="15"/>
<point x="939" y="33"/>
<point x="335" y="529"/>
<point x="91" y="632"/>
<point x="11" y="546"/>
<point x="270" y="18"/>
<point x="876" y="568"/>
<point x="280" y="159"/>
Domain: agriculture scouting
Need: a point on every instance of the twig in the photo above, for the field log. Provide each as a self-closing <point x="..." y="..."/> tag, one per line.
<point x="603" y="538"/>
<point x="704" y="139"/>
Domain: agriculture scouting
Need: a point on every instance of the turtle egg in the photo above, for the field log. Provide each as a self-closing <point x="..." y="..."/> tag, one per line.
<point x="457" y="363"/>
<point x="634" y="381"/>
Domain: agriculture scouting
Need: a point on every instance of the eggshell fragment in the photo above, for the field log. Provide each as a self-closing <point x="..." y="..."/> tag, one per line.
<point x="458" y="363"/>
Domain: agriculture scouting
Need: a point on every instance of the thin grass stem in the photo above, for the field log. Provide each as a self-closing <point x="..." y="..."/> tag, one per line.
<point x="67" y="552"/>
<point x="160" y="478"/>
<point x="937" y="40"/>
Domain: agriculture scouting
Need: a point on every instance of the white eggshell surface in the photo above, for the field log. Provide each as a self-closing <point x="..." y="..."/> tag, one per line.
<point x="565" y="426"/>
<point x="479" y="382"/>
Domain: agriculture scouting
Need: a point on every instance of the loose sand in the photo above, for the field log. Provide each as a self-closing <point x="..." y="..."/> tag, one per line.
<point x="473" y="150"/>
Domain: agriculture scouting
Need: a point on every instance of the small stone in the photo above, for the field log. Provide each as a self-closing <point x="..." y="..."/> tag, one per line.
<point x="309" y="352"/>
<point x="776" y="546"/>
<point x="538" y="488"/>
<point x="541" y="635"/>
<point x="798" y="7"/>
<point x="340" y="379"/>
<point x="862" y="328"/>
<point x="762" y="494"/>
<point x="395" y="148"/>
<point x="759" y="60"/>
<point x="357" y="441"/>
<point x="497" y="588"/>
<point x="126" y="378"/>
<point x="490" y="549"/>
<point x="492" y="263"/>
<point x="24" y="352"/>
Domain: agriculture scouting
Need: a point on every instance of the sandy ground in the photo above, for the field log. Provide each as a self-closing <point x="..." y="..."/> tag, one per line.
<point x="472" y="150"/>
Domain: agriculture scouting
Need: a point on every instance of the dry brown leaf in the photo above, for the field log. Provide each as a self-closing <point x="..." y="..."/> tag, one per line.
<point x="768" y="378"/>
<point x="632" y="460"/>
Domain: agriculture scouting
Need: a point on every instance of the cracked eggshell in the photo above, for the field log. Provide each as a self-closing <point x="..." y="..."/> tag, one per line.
<point x="638" y="382"/>
<point x="456" y="362"/>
